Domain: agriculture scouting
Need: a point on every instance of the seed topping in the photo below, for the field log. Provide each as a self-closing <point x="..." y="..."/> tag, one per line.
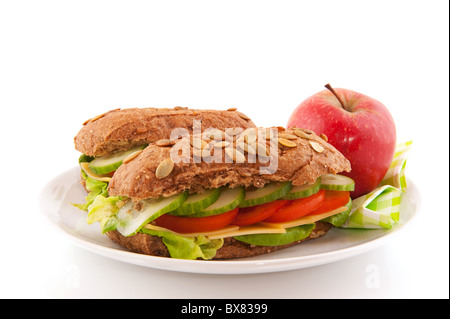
<point x="286" y="142"/>
<point x="236" y="155"/>
<point x="131" y="157"/>
<point x="164" y="168"/>
<point x="316" y="146"/>
<point x="242" y="115"/>
<point x="302" y="134"/>
<point x="165" y="142"/>
<point x="287" y="136"/>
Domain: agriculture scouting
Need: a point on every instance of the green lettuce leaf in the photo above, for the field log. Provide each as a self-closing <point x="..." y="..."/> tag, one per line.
<point x="292" y="234"/>
<point x="95" y="188"/>
<point x="185" y="247"/>
<point x="340" y="219"/>
<point x="102" y="207"/>
<point x="108" y="224"/>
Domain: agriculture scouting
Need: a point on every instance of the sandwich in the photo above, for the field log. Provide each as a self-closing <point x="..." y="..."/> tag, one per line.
<point x="215" y="193"/>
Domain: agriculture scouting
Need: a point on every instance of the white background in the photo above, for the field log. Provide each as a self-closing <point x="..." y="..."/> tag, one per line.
<point x="63" y="62"/>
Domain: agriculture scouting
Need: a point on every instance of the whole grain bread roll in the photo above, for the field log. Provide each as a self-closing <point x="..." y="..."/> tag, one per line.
<point x="306" y="158"/>
<point x="121" y="129"/>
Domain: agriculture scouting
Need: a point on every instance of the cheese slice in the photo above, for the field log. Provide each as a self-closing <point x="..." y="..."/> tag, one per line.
<point x="228" y="231"/>
<point x="306" y="220"/>
<point x="102" y="178"/>
<point x="230" y="228"/>
<point x="250" y="230"/>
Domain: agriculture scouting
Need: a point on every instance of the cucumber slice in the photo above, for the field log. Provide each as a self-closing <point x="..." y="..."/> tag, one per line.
<point x="303" y="191"/>
<point x="129" y="220"/>
<point x="229" y="199"/>
<point x="84" y="158"/>
<point x="197" y="202"/>
<point x="339" y="219"/>
<point x="337" y="183"/>
<point x="292" y="234"/>
<point x="268" y="193"/>
<point x="110" y="163"/>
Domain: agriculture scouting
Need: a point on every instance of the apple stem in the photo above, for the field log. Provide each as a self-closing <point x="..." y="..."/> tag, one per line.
<point x="329" y="87"/>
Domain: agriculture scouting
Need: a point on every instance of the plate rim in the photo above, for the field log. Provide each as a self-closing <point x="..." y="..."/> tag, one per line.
<point x="225" y="267"/>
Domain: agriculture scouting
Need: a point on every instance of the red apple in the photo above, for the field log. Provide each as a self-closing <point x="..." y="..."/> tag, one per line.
<point x="360" y="127"/>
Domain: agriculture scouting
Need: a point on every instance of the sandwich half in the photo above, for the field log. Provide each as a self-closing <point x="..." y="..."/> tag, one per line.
<point x="225" y="193"/>
<point x="109" y="139"/>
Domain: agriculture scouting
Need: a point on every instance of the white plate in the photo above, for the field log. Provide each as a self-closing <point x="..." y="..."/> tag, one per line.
<point x="338" y="244"/>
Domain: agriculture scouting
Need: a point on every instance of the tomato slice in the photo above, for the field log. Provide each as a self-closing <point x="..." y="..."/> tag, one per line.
<point x="333" y="200"/>
<point x="298" y="208"/>
<point x="182" y="224"/>
<point x="255" y="214"/>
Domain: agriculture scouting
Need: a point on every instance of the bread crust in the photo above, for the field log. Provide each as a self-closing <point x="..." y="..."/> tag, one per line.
<point x="119" y="130"/>
<point x="300" y="164"/>
<point x="231" y="249"/>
